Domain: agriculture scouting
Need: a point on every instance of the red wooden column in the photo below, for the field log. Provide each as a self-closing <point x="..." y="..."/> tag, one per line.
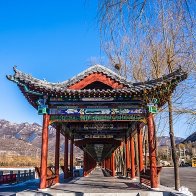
<point x="106" y="163"/>
<point x="103" y="164"/>
<point x="152" y="151"/>
<point x="132" y="149"/>
<point x="71" y="156"/>
<point x="57" y="152"/>
<point x="66" y="158"/>
<point x="84" y="164"/>
<point x="140" y="149"/>
<point x="113" y="164"/>
<point x="127" y="154"/>
<point x="110" y="163"/>
<point x="44" y="151"/>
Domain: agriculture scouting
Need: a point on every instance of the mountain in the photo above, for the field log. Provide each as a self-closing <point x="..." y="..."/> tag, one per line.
<point x="25" y="139"/>
<point x="165" y="140"/>
<point x="191" y="138"/>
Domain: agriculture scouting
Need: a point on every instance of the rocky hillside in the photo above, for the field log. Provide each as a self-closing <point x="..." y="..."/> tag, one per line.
<point x="191" y="138"/>
<point x="165" y="140"/>
<point x="25" y="139"/>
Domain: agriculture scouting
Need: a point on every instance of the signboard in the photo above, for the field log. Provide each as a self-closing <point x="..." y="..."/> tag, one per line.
<point x="76" y="118"/>
<point x="99" y="126"/>
<point x="194" y="162"/>
<point x="99" y="136"/>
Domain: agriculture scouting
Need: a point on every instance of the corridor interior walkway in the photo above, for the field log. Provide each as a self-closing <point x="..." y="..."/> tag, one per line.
<point x="96" y="184"/>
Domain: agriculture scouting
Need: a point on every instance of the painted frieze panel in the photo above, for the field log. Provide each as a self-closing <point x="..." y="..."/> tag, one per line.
<point x="96" y="111"/>
<point x="82" y="118"/>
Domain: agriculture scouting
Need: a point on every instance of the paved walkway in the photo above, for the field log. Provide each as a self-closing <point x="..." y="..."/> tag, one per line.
<point x="97" y="183"/>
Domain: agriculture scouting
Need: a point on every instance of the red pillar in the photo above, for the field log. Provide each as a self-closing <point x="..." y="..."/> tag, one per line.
<point x="127" y="154"/>
<point x="106" y="163"/>
<point x="140" y="149"/>
<point x="113" y="164"/>
<point x="110" y="160"/>
<point x="57" y="152"/>
<point x="132" y="149"/>
<point x="152" y="151"/>
<point x="44" y="151"/>
<point x="84" y="164"/>
<point x="110" y="165"/>
<point x="71" y="156"/>
<point x="103" y="164"/>
<point x="66" y="175"/>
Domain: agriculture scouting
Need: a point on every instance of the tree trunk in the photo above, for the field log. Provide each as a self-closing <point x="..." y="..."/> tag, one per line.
<point x="156" y="144"/>
<point x="172" y="140"/>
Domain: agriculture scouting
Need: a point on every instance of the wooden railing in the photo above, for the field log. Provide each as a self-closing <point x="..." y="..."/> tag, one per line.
<point x="7" y="178"/>
<point x="24" y="176"/>
<point x="145" y="176"/>
<point x="51" y="177"/>
<point x="20" y="176"/>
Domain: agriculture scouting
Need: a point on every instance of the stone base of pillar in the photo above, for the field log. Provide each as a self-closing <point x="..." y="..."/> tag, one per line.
<point x="43" y="190"/>
<point x="156" y="189"/>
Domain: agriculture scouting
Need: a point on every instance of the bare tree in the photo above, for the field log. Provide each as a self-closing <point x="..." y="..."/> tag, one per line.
<point x="150" y="39"/>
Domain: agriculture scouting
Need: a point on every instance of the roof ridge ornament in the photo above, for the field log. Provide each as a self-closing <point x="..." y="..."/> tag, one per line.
<point x="15" y="68"/>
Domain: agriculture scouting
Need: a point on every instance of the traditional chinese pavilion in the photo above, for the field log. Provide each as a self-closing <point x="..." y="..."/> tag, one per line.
<point x="99" y="111"/>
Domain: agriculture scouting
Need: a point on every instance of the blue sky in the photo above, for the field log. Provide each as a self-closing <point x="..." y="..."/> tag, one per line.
<point x="52" y="40"/>
<point x="47" y="39"/>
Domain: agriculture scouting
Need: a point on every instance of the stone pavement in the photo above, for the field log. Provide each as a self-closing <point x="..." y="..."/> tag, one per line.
<point x="96" y="184"/>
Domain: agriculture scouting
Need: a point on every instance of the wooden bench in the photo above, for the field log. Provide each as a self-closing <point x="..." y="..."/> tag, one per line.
<point x="145" y="176"/>
<point x="51" y="176"/>
<point x="129" y="171"/>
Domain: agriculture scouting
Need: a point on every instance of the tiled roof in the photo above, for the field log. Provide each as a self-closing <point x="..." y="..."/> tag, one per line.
<point x="30" y="85"/>
<point x="63" y="86"/>
<point x="96" y="69"/>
